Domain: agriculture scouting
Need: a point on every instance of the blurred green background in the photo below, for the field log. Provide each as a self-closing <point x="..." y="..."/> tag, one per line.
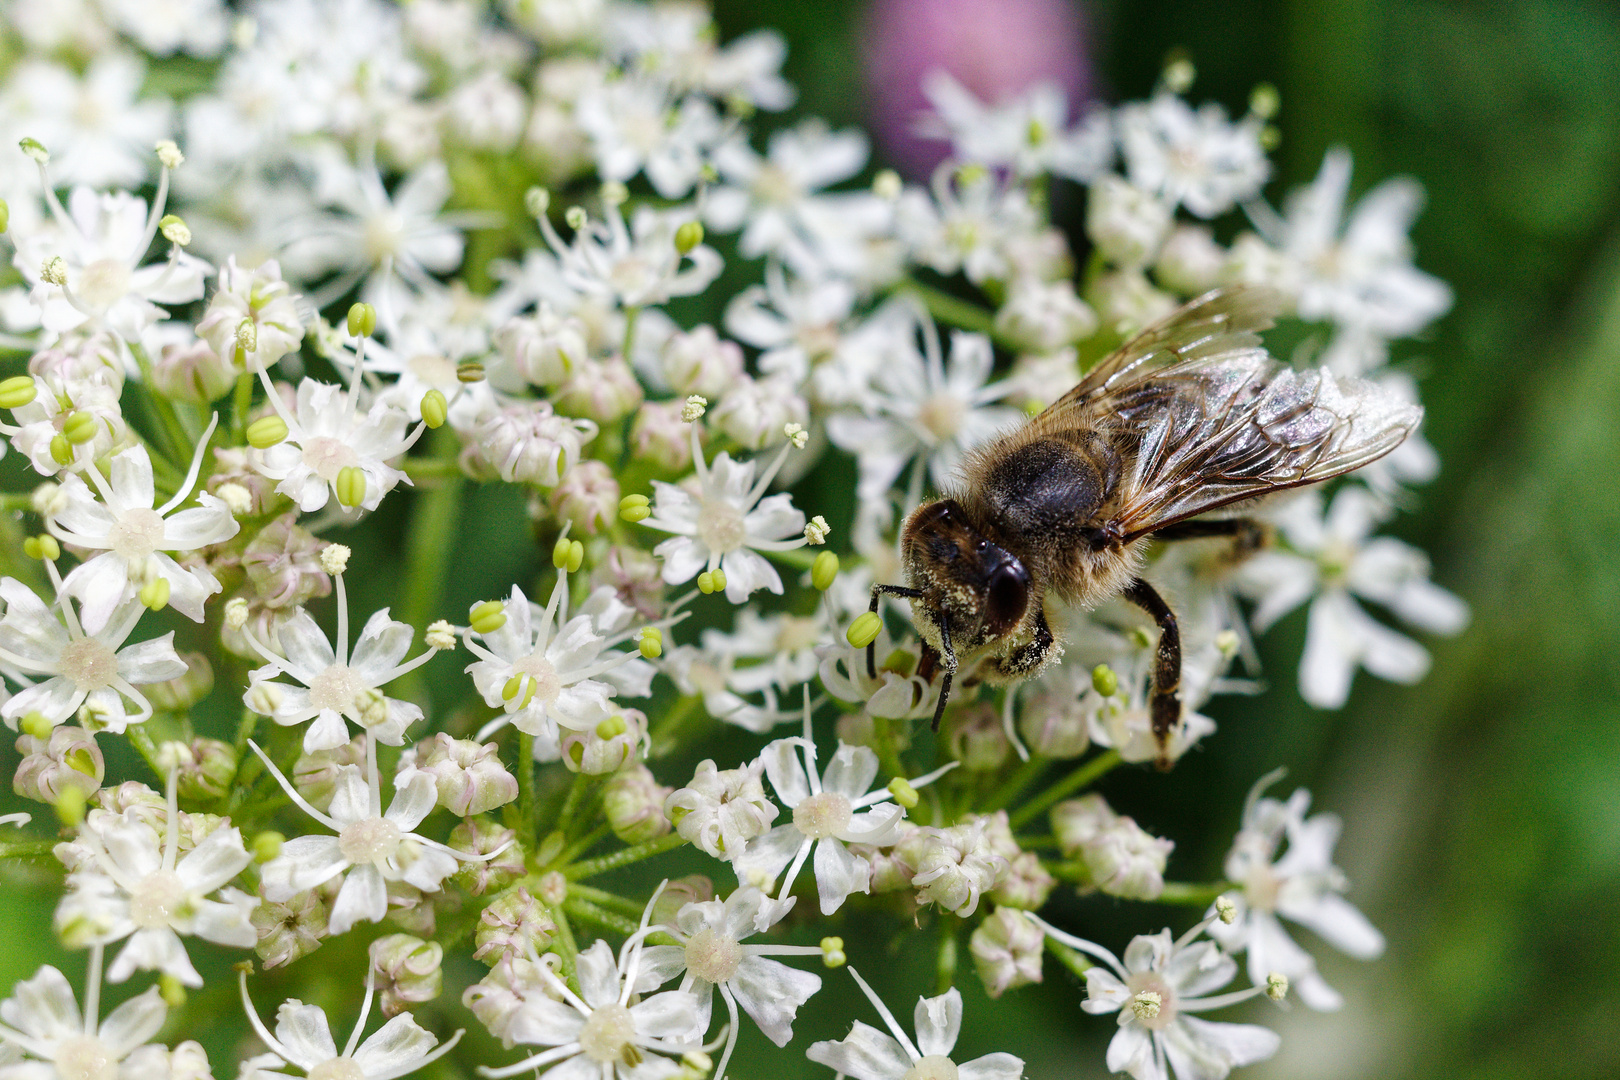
<point x="1482" y="807"/>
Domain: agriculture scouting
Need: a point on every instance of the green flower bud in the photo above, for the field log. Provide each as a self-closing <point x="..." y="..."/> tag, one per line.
<point x="70" y="803"/>
<point x="18" y="391"/>
<point x="5" y="215"/>
<point x="651" y="643"/>
<point x="824" y="571"/>
<point x="267" y="846"/>
<point x="211" y="773"/>
<point x="634" y="804"/>
<point x="172" y="990"/>
<point x="350" y="486"/>
<point x="362" y="320"/>
<point x="434" y="409"/>
<point x="266" y="432"/>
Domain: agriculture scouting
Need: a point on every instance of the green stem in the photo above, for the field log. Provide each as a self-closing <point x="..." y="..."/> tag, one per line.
<point x="174" y="433"/>
<point x="945" y="959"/>
<point x="428" y="468"/>
<point x="624" y="857"/>
<point x="1193" y="893"/>
<point x="1086" y="774"/>
<point x="141" y="740"/>
<point x="563" y="945"/>
<point x="800" y="558"/>
<point x="526" y="793"/>
<point x="435" y="522"/>
<point x="584" y="844"/>
<point x="578" y="791"/>
<point x="602" y="898"/>
<point x="241" y="405"/>
<point x="888" y="756"/>
<point x="1025" y="775"/>
<point x="631" y="317"/>
<point x="1069" y="958"/>
<point x="584" y="909"/>
<point x="27" y="849"/>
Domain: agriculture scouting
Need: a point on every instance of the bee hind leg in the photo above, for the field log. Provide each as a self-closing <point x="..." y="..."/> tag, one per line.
<point x="1164" y="704"/>
<point x="1248" y="535"/>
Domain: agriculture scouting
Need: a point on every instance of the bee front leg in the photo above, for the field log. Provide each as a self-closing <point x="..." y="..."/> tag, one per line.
<point x="948" y="666"/>
<point x="1164" y="704"/>
<point x="1028" y="658"/>
<point x="877" y="593"/>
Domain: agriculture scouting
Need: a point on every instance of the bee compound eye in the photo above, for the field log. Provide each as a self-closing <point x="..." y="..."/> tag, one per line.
<point x="1006" y="599"/>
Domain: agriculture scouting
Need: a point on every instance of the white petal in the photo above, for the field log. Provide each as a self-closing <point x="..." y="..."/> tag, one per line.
<point x="304" y="1032"/>
<point x="598" y="975"/>
<point x="43" y="1007"/>
<point x="134" y="1022"/>
<point x="213" y="862"/>
<point x="1209" y="1049"/>
<point x="771" y="992"/>
<point x="839" y="872"/>
<point x="747" y="572"/>
<point x="784" y="765"/>
<point x="1342" y="925"/>
<point x="1131" y="1050"/>
<point x="938" y="1022"/>
<point x="851" y="771"/>
<point x="157" y="949"/>
<point x="866" y="1054"/>
<point x="151" y="661"/>
<point x="395" y="1048"/>
<point x="304" y="862"/>
<point x="992" y="1067"/>
<point x="670" y="1015"/>
<point x="364" y="895"/>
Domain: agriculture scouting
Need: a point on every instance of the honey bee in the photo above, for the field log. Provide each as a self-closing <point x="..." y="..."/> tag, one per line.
<point x="1190" y="415"/>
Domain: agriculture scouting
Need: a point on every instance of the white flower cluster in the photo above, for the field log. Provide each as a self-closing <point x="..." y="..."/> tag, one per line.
<point x="436" y="244"/>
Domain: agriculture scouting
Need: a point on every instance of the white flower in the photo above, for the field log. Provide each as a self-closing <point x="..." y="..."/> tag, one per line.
<point x="712" y="954"/>
<point x="545" y="670"/>
<point x="1332" y="556"/>
<point x="1028" y="133"/>
<point x="925" y="408"/>
<point x="165" y="27"/>
<point x="338" y="686"/>
<point x="769" y="197"/>
<point x="636" y="264"/>
<point x="1301" y="884"/>
<point x="94" y="671"/>
<point x="829" y="811"/>
<point x="41" y="1019"/>
<point x="370" y="851"/>
<point x="634" y="126"/>
<point x="131" y="887"/>
<point x="98" y="132"/>
<point x="1155" y="991"/>
<point x="969" y="223"/>
<point x="327" y="432"/>
<point x="868" y="1054"/>
<point x="528" y="442"/>
<point x="953" y="866"/>
<point x="1123" y="858"/>
<point x="102" y="240"/>
<point x="1199" y="160"/>
<point x="1357" y="272"/>
<point x="725" y="524"/>
<point x="784" y="645"/>
<point x="261" y="298"/>
<point x="597" y="1032"/>
<point x="134" y="539"/>
<point x="795" y="325"/>
<point x="303" y="1040"/>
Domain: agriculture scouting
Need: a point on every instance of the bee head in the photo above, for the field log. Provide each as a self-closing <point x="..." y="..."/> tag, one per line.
<point x="972" y="589"/>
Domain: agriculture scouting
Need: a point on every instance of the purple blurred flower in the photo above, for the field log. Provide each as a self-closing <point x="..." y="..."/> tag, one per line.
<point x="995" y="48"/>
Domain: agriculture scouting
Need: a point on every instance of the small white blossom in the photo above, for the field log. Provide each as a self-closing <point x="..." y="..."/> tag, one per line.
<point x="1200" y="160"/>
<point x="41" y="1024"/>
<point x="769" y="198"/>
<point x="721" y="810"/>
<point x="327" y="432"/>
<point x="868" y="1054"/>
<point x="1028" y="133"/>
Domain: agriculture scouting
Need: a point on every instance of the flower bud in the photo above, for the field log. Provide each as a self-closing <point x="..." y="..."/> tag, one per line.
<point x="633" y="802"/>
<point x="721" y="810"/>
<point x="184" y="691"/>
<point x="208" y="776"/>
<point x="953" y="866"/>
<point x="1054" y="725"/>
<point x="973" y="735"/>
<point x="407" y="970"/>
<point x="511" y="926"/>
<point x="1007" y="951"/>
<point x="688" y="236"/>
<point x="659" y="437"/>
<point x="192" y="372"/>
<point x="290" y="928"/>
<point x="701" y="362"/>
<point x="283" y="564"/>
<point x="1190" y="261"/>
<point x="604" y="748"/>
<point x="604" y="390"/>
<point x="1126" y="301"/>
<point x="480" y="836"/>
<point x="691" y="889"/>
<point x="1123" y="859"/>
<point x="525" y="442"/>
<point x="315" y="775"/>
<point x="1026" y="884"/>
<point x="470" y="778"/>
<point x="68" y="760"/>
<point x="588" y="497"/>
<point x="543" y="349"/>
<point x="755" y="411"/>
<point x="1043" y="317"/>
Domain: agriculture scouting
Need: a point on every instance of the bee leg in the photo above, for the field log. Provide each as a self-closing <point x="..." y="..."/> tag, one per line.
<point x="1026" y="659"/>
<point x="948" y="658"/>
<point x="877" y="593"/>
<point x="1165" y="702"/>
<point x="1248" y="535"/>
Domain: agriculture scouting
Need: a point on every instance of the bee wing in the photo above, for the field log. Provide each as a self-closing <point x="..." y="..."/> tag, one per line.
<point x="1218" y="420"/>
<point x="1217" y="322"/>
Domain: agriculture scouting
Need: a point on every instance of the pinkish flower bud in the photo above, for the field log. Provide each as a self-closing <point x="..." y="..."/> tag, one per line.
<point x="480" y="836"/>
<point x="231" y="467"/>
<point x="701" y="362"/>
<point x="691" y="889"/>
<point x="754" y="412"/>
<point x="1055" y="725"/>
<point x="607" y="746"/>
<point x="283" y="565"/>
<point x="660" y="437"/>
<point x="544" y="349"/>
<point x="588" y="497"/>
<point x="526" y="442"/>
<point x="97" y="359"/>
<point x="291" y="928"/>
<point x="512" y="925"/>
<point x="603" y="390"/>
<point x="636" y="577"/>
<point x="1123" y="859"/>
<point x="193" y="372"/>
<point x="408" y="971"/>
<point x="315" y="775"/>
<point x="890" y="871"/>
<point x="634" y="804"/>
<point x="181" y="693"/>
<point x="954" y="866"/>
<point x="1190" y="261"/>
<point x="470" y="778"/>
<point x="498" y="999"/>
<point x="973" y="735"/>
<point x="1007" y="950"/>
<point x="211" y="770"/>
<point x="68" y="759"/>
